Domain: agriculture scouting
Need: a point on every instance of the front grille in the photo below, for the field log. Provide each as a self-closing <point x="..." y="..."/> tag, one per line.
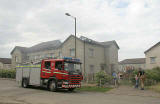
<point x="75" y="79"/>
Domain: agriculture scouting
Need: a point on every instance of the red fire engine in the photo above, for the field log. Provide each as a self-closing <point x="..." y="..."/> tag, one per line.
<point x="51" y="73"/>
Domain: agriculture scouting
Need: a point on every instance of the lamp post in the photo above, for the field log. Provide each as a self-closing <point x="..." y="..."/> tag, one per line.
<point x="75" y="29"/>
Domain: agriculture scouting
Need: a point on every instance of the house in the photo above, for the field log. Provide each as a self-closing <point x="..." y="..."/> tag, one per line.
<point x="131" y="64"/>
<point x="5" y="63"/>
<point x="153" y="56"/>
<point x="94" y="55"/>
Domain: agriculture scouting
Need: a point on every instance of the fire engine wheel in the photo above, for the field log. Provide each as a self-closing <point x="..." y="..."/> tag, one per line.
<point x="52" y="86"/>
<point x="71" y="89"/>
<point x="24" y="83"/>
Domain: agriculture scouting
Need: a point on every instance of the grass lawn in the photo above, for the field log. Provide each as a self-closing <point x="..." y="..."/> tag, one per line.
<point x="94" y="89"/>
<point x="155" y="87"/>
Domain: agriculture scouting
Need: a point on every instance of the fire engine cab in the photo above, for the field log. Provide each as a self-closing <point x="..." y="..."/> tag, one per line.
<point x="54" y="74"/>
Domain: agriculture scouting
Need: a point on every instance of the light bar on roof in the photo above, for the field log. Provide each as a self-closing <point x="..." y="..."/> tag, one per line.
<point x="71" y="59"/>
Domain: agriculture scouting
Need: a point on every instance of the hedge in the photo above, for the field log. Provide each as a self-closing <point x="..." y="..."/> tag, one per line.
<point x="8" y="73"/>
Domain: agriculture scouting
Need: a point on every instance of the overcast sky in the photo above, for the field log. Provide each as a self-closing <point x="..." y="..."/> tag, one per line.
<point x="134" y="24"/>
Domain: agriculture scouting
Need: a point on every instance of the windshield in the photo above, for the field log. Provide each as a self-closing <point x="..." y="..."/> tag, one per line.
<point x="72" y="67"/>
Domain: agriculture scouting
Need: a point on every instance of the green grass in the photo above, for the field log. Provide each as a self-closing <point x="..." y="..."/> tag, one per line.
<point x="155" y="87"/>
<point x="94" y="89"/>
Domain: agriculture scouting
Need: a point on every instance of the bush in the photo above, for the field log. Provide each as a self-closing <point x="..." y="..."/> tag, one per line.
<point x="7" y="73"/>
<point x="153" y="74"/>
<point x="102" y="78"/>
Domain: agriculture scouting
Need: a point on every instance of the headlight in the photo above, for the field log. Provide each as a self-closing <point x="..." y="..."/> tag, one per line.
<point x="65" y="82"/>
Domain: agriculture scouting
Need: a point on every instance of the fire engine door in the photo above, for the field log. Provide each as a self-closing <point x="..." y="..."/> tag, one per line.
<point x="59" y="69"/>
<point x="47" y="69"/>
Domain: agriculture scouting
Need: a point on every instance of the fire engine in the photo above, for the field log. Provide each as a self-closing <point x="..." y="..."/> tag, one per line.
<point x="53" y="74"/>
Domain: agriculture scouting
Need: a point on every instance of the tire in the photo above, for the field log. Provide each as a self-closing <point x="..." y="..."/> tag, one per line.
<point x="52" y="86"/>
<point x="24" y="83"/>
<point x="71" y="89"/>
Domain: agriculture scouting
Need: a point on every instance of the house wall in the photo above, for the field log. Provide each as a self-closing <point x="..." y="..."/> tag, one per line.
<point x="155" y="52"/>
<point x="5" y="66"/>
<point x="1" y="65"/>
<point x="38" y="56"/>
<point x="17" y="54"/>
<point x="96" y="60"/>
<point x="111" y="54"/>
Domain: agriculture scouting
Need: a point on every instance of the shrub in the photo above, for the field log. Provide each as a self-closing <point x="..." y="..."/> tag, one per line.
<point x="7" y="73"/>
<point x="102" y="78"/>
<point x="153" y="76"/>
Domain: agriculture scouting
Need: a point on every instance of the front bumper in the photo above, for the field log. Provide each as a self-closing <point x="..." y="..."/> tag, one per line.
<point x="71" y="86"/>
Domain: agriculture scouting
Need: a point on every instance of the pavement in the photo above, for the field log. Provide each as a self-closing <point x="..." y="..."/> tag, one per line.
<point x="11" y="93"/>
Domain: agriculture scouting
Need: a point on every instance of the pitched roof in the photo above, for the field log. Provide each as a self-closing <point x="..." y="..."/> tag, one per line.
<point x="5" y="60"/>
<point x="39" y="47"/>
<point x="89" y="41"/>
<point x="57" y="43"/>
<point x="110" y="42"/>
<point x="45" y="46"/>
<point x="152" y="47"/>
<point x="106" y="43"/>
<point x="133" y="61"/>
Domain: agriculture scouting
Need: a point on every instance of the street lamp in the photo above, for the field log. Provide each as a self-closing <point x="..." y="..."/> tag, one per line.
<point x="75" y="29"/>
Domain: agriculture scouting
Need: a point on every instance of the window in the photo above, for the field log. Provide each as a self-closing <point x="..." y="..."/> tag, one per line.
<point x="91" y="69"/>
<point x="60" y="54"/>
<point x="91" y="52"/>
<point x="58" y="65"/>
<point x="16" y="58"/>
<point x="72" y="52"/>
<point x="27" y="57"/>
<point x="102" y="66"/>
<point x="35" y="57"/>
<point x="91" y="73"/>
<point x="48" y="65"/>
<point x="152" y="60"/>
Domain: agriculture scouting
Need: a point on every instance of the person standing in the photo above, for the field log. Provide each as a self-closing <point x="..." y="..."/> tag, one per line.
<point x="119" y="78"/>
<point x="142" y="78"/>
<point x="137" y="81"/>
<point x="115" y="78"/>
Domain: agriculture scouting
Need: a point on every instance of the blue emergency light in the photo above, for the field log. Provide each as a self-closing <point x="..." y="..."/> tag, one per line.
<point x="71" y="59"/>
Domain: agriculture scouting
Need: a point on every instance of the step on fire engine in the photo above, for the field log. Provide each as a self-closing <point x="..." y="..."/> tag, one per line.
<point x="53" y="74"/>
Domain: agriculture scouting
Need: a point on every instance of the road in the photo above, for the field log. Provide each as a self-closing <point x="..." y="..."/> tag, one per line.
<point x="11" y="93"/>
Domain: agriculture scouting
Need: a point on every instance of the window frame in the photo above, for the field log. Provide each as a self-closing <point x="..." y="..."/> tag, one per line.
<point x="91" y="52"/>
<point x="45" y="65"/>
<point x="56" y="67"/>
<point x="72" y="50"/>
<point x="152" y="61"/>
